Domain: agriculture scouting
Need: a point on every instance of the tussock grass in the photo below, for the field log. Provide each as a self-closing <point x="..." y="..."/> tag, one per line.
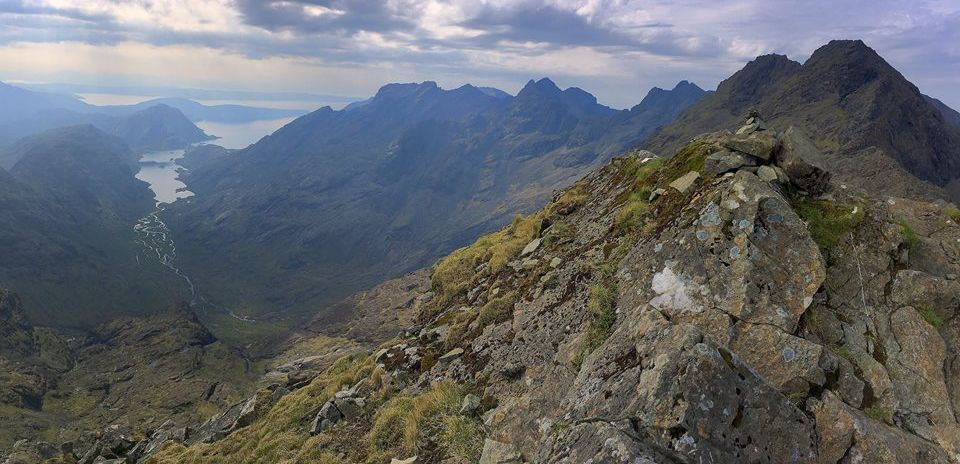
<point x="407" y="426"/>
<point x="603" y="315"/>
<point x="456" y="272"/>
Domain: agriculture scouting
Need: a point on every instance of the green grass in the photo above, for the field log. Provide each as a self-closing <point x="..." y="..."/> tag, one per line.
<point x="827" y="221"/>
<point x="456" y="272"/>
<point x="910" y="238"/>
<point x="407" y="425"/>
<point x="930" y="315"/>
<point x="953" y="213"/>
<point x="603" y="315"/>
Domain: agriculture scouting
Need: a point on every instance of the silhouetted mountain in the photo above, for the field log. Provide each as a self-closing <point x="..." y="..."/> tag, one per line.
<point x="216" y="113"/>
<point x="67" y="211"/>
<point x="339" y="200"/>
<point x="862" y="110"/>
<point x="158" y="127"/>
<point x="19" y="103"/>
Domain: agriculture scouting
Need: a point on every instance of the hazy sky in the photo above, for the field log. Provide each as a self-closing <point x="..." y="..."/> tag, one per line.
<point x="616" y="49"/>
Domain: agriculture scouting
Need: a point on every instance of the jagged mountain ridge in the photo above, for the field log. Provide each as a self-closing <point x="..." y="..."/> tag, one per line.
<point x="657" y="311"/>
<point x="861" y="109"/>
<point x="337" y="201"/>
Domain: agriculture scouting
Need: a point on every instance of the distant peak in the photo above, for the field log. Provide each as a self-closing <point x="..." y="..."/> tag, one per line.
<point x="397" y="90"/>
<point x="845" y="52"/>
<point x="542" y="85"/>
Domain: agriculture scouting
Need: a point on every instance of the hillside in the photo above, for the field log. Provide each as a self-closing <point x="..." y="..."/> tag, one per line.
<point x="864" y="113"/>
<point x="709" y="306"/>
<point x="68" y="209"/>
<point x="337" y="201"/>
<point x="158" y="127"/>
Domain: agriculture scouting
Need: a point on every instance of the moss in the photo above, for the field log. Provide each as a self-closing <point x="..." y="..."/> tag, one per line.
<point x="930" y="315"/>
<point x="877" y="412"/>
<point x="909" y="236"/>
<point x="456" y="272"/>
<point x="827" y="221"/>
<point x="953" y="213"/>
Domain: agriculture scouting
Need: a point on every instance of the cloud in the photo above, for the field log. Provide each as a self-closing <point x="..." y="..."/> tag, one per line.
<point x="614" y="48"/>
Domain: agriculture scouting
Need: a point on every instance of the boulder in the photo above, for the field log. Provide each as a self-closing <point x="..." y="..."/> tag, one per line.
<point x="795" y="156"/>
<point x="531" y="247"/>
<point x="760" y="145"/>
<point x="498" y="452"/>
<point x="470" y="404"/>
<point x="725" y="161"/>
<point x="684" y="182"/>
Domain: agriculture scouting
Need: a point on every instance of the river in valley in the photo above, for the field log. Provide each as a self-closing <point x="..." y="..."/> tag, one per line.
<point x="161" y="171"/>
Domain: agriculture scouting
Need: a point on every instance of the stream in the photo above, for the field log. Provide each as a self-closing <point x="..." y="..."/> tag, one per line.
<point x="161" y="171"/>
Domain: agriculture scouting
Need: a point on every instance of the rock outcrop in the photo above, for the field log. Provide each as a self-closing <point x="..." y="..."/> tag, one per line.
<point x="754" y="312"/>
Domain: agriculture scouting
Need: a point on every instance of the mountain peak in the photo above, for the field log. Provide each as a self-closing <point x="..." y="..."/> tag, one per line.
<point x="398" y="90"/>
<point x="544" y="85"/>
<point x="682" y="95"/>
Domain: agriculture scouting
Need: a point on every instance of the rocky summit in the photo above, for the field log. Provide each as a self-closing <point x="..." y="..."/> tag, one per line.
<point x="731" y="303"/>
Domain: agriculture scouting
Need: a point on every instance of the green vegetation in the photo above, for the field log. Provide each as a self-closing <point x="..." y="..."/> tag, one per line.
<point x="497" y="310"/>
<point x="407" y="426"/>
<point x="574" y="197"/>
<point x="556" y="234"/>
<point x="930" y="315"/>
<point x="455" y="272"/>
<point x="877" y="412"/>
<point x="603" y="315"/>
<point x="953" y="213"/>
<point x="280" y="435"/>
<point x="827" y="221"/>
<point x="910" y="238"/>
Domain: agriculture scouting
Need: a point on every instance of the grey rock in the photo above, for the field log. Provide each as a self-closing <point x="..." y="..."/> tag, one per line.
<point x="470" y="404"/>
<point x="498" y="452"/>
<point x="724" y="161"/>
<point x="760" y="145"/>
<point x="767" y="174"/>
<point x="795" y="157"/>
<point x="684" y="182"/>
<point x="531" y="247"/>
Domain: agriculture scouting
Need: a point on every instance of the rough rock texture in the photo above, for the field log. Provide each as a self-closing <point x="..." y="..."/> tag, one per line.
<point x="735" y="320"/>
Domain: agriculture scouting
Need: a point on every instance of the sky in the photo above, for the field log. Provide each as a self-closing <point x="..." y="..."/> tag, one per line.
<point x="615" y="49"/>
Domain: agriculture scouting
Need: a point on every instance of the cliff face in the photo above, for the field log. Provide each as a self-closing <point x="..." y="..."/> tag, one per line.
<point x="729" y="304"/>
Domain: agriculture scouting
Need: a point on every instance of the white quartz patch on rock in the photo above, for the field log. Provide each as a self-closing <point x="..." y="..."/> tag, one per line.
<point x="671" y="292"/>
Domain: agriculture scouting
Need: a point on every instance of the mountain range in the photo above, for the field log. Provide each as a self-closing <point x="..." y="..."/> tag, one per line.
<point x="872" y="124"/>
<point x="337" y="201"/>
<point x="779" y="285"/>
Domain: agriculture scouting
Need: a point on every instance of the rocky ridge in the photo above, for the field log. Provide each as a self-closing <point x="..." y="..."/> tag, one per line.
<point x="730" y="304"/>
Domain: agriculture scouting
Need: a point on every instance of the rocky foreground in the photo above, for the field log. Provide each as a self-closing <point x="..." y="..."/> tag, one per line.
<point x="730" y="304"/>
